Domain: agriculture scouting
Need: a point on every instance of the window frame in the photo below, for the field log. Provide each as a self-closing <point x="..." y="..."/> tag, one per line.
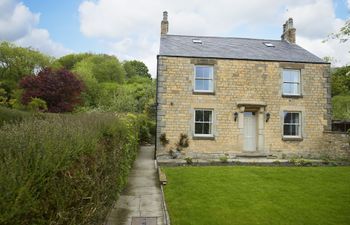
<point x="203" y="122"/>
<point x="289" y="82"/>
<point x="300" y="124"/>
<point x="195" y="78"/>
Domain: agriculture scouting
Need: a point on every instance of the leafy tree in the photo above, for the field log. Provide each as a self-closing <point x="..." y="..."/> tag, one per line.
<point x="70" y="60"/>
<point x="341" y="107"/>
<point x="60" y="89"/>
<point x="344" y="33"/>
<point x="104" y="68"/>
<point x="92" y="91"/>
<point x="136" y="68"/>
<point x="17" y="62"/>
<point x="341" y="81"/>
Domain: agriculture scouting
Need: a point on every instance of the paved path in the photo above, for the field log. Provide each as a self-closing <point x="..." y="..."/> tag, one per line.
<point x="142" y="196"/>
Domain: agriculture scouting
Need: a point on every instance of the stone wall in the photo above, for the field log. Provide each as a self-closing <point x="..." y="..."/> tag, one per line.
<point x="237" y="81"/>
<point x="336" y="145"/>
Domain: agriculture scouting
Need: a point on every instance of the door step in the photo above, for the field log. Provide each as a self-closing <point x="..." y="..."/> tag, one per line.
<point x="255" y="155"/>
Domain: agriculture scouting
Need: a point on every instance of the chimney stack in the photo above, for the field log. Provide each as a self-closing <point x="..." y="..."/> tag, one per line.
<point x="288" y="31"/>
<point x="165" y="24"/>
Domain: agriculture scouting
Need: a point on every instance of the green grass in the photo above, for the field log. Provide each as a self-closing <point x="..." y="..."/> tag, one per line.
<point x="258" y="195"/>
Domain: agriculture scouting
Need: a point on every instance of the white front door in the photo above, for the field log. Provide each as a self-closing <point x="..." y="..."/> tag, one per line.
<point x="249" y="131"/>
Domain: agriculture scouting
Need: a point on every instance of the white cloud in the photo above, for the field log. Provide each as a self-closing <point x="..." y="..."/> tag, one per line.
<point x="349" y="4"/>
<point x="313" y="28"/>
<point x="316" y="19"/>
<point x="16" y="20"/>
<point x="19" y="25"/>
<point x="338" y="51"/>
<point x="40" y="39"/>
<point x="130" y="29"/>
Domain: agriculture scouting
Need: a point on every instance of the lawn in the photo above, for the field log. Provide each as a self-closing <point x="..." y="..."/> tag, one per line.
<point x="258" y="195"/>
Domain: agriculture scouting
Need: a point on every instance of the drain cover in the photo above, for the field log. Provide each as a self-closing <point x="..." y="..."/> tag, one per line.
<point x="144" y="221"/>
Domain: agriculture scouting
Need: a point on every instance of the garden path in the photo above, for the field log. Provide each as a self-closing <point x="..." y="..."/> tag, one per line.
<point x="142" y="197"/>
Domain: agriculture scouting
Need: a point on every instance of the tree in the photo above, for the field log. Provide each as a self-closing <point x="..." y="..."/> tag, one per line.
<point x="341" y="107"/>
<point x="136" y="68"/>
<point x="341" y="81"/>
<point x="60" y="89"/>
<point x="70" y="60"/>
<point x="344" y="33"/>
<point x="92" y="91"/>
<point x="104" y="68"/>
<point x="17" y="62"/>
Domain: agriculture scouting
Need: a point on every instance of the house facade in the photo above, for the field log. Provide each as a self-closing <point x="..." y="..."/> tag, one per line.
<point x="241" y="96"/>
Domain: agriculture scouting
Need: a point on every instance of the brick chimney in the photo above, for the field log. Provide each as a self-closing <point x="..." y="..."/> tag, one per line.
<point x="164" y="27"/>
<point x="288" y="31"/>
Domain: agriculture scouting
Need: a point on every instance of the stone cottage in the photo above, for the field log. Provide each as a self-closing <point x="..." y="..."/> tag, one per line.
<point x="241" y="96"/>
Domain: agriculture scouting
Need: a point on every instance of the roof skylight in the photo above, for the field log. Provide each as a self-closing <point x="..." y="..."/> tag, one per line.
<point x="197" y="41"/>
<point x="268" y="44"/>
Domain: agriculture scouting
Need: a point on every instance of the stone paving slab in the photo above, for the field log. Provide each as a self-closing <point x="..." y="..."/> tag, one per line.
<point x="142" y="197"/>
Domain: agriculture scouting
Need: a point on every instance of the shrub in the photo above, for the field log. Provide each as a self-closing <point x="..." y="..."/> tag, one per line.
<point x="189" y="160"/>
<point x="147" y="129"/>
<point x="223" y="159"/>
<point x="163" y="139"/>
<point x="60" y="89"/>
<point x="183" y="142"/>
<point x="11" y="115"/>
<point x="64" y="169"/>
<point x="341" y="107"/>
<point x="37" y="104"/>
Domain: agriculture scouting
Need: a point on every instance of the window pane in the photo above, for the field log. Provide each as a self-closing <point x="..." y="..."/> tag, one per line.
<point x="206" y="72"/>
<point x="286" y="75"/>
<point x="210" y="84"/>
<point x="291" y="76"/>
<point x="206" y="85"/>
<point x="295" y="76"/>
<point x="206" y="128"/>
<point x="291" y="130"/>
<point x="199" y="85"/>
<point x="290" y="88"/>
<point x="287" y="117"/>
<point x="199" y="115"/>
<point x="199" y="72"/>
<point x="198" y="128"/>
<point x="207" y="116"/>
<point x="295" y="118"/>
<point x="288" y="130"/>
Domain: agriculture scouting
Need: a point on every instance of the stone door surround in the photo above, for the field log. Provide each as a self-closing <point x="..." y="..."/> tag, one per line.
<point x="259" y="108"/>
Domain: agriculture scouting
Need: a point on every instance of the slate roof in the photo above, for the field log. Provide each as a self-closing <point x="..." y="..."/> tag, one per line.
<point x="234" y="48"/>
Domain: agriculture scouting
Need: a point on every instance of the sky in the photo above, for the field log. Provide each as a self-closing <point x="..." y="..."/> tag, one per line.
<point x="130" y="29"/>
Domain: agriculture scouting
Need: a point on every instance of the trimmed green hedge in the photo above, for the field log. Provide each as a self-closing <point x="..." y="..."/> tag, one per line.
<point x="65" y="169"/>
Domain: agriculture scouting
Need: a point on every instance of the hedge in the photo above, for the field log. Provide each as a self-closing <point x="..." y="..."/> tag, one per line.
<point x="11" y="115"/>
<point x="64" y="169"/>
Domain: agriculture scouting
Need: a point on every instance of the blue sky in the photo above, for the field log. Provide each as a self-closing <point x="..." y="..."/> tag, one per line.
<point x="130" y="28"/>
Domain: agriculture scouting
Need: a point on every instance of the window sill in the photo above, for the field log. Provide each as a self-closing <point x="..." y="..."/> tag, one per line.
<point x="196" y="137"/>
<point x="291" y="96"/>
<point x="292" y="138"/>
<point x="203" y="92"/>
